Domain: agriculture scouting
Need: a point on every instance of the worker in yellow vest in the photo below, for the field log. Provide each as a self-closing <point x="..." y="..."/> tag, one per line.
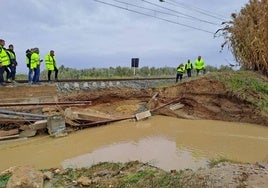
<point x="199" y="65"/>
<point x="13" y="62"/>
<point x="51" y="65"/>
<point x="35" y="65"/>
<point x="4" y="62"/>
<point x="180" y="71"/>
<point x="188" y="68"/>
<point x="28" y="64"/>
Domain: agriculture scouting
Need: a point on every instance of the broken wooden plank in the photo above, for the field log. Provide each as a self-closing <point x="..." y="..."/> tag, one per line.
<point x="9" y="132"/>
<point x="9" y="137"/>
<point x="143" y="115"/>
<point x="104" y="122"/>
<point x="13" y="140"/>
<point x="47" y="103"/>
<point x="166" y="104"/>
<point x="86" y="114"/>
<point x="155" y="95"/>
<point x="176" y="106"/>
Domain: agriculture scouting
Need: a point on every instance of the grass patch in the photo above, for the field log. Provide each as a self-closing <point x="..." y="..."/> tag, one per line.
<point x="214" y="162"/>
<point x="141" y="175"/>
<point x="3" y="180"/>
<point x="245" y="85"/>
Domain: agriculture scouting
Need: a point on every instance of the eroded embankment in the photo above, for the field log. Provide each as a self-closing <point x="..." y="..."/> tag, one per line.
<point x="209" y="99"/>
<point x="202" y="98"/>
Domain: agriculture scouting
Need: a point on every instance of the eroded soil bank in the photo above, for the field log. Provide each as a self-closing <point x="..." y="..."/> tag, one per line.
<point x="203" y="98"/>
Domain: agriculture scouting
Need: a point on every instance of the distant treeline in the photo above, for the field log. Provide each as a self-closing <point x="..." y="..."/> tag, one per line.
<point x="117" y="72"/>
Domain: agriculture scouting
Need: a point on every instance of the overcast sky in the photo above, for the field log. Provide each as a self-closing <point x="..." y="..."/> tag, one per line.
<point x="89" y="33"/>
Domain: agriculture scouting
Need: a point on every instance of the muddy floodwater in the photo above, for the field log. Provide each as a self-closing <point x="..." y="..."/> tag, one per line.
<point x="165" y="142"/>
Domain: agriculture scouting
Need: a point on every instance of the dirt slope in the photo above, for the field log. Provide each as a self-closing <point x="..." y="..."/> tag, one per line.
<point x="202" y="98"/>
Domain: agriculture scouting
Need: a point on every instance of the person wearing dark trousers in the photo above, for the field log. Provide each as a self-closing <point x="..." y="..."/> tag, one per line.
<point x="51" y="65"/>
<point x="189" y="67"/>
<point x="35" y="65"/>
<point x="1" y="74"/>
<point x="180" y="71"/>
<point x="4" y="62"/>
<point x="28" y="64"/>
<point x="13" y="63"/>
<point x="199" y="65"/>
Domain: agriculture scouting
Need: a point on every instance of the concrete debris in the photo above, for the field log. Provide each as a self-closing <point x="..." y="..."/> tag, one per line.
<point x="143" y="115"/>
<point x="42" y="124"/>
<point x="27" y="133"/>
<point x="56" y="125"/>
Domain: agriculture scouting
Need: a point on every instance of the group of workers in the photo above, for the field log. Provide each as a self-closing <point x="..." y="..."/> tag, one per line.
<point x="199" y="65"/>
<point x="8" y="64"/>
<point x="33" y="62"/>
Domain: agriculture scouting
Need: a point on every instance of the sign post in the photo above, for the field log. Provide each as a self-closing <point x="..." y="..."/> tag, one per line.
<point x="134" y="64"/>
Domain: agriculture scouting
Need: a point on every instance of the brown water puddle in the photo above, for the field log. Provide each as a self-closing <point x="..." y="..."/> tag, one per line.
<point x="166" y="142"/>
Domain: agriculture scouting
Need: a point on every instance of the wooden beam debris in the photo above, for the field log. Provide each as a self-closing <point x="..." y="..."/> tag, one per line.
<point x="9" y="137"/>
<point x="9" y="132"/>
<point x="86" y="114"/>
<point x="13" y="140"/>
<point x="47" y="103"/>
<point x="176" y="106"/>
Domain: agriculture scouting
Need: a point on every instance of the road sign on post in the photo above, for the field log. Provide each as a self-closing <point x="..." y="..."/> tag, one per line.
<point x="134" y="64"/>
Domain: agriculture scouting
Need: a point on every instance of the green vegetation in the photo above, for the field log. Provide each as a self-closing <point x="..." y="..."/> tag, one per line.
<point x="246" y="85"/>
<point x="3" y="180"/>
<point x="138" y="177"/>
<point x="214" y="162"/>
<point x="132" y="174"/>
<point x="118" y="72"/>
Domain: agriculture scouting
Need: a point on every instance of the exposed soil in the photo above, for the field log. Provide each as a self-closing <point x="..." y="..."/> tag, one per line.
<point x="202" y="98"/>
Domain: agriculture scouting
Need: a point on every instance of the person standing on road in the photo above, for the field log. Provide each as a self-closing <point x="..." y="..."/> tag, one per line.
<point x="180" y="71"/>
<point x="189" y="67"/>
<point x="5" y="61"/>
<point x="13" y="62"/>
<point x="35" y="65"/>
<point x="28" y="63"/>
<point x="51" y="65"/>
<point x="199" y="65"/>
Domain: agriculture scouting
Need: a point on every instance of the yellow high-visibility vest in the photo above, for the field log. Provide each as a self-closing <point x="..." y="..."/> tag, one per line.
<point x="50" y="62"/>
<point x="4" y="58"/>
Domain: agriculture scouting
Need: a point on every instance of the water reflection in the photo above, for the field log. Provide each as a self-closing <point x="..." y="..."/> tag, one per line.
<point x="170" y="143"/>
<point x="157" y="151"/>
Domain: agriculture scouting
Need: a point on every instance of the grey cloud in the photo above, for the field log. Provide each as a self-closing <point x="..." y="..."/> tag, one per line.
<point x="92" y="34"/>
